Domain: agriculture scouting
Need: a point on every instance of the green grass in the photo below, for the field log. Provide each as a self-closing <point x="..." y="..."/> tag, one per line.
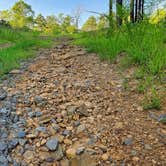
<point x="142" y="43"/>
<point x="24" y="45"/>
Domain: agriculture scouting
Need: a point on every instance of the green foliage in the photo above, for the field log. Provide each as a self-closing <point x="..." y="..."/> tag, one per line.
<point x="102" y="22"/>
<point x="21" y="15"/>
<point x="158" y="16"/>
<point x="24" y="45"/>
<point x="40" y="22"/>
<point x="153" y="103"/>
<point x="142" y="43"/>
<point x="141" y="88"/>
<point x="5" y="15"/>
<point x="90" y="24"/>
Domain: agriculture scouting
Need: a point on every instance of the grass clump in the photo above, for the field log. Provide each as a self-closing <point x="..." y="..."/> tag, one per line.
<point x="152" y="102"/>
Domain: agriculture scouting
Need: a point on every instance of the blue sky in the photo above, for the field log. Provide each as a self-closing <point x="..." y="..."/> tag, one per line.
<point x="48" y="7"/>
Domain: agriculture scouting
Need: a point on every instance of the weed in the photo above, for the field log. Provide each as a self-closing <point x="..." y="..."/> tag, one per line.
<point x="154" y="102"/>
<point x="141" y="88"/>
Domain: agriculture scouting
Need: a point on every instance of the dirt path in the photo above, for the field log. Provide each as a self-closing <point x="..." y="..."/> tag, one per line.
<point x="72" y="110"/>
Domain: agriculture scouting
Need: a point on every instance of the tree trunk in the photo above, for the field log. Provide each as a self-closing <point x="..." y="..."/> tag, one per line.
<point x="110" y="14"/>
<point x="136" y="10"/>
<point x="139" y="10"/>
<point x="132" y="11"/>
<point x="119" y="12"/>
<point x="142" y="9"/>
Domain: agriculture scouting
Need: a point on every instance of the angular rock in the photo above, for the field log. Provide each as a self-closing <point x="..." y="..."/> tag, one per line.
<point x="52" y="144"/>
<point x="66" y="133"/>
<point x="3" y="145"/>
<point x="80" y="150"/>
<point x="81" y="129"/>
<point x="105" y="157"/>
<point x="3" y="160"/>
<point x="13" y="143"/>
<point x="128" y="141"/>
<point x="3" y="94"/>
<point x="21" y="134"/>
<point x="5" y="112"/>
<point x="41" y="129"/>
<point x="162" y="118"/>
<point x="71" y="153"/>
<point x="29" y="155"/>
<point x="82" y="110"/>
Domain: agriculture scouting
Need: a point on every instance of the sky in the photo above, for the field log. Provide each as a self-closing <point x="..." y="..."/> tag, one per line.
<point x="48" y="7"/>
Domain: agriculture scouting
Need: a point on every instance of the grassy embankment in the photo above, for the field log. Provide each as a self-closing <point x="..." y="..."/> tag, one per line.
<point x="17" y="45"/>
<point x="143" y="46"/>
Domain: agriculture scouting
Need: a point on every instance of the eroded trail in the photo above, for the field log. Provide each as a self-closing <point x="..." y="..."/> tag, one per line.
<point x="70" y="109"/>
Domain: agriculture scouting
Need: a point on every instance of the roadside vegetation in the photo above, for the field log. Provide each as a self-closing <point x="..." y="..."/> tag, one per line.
<point x="16" y="45"/>
<point x="138" y="42"/>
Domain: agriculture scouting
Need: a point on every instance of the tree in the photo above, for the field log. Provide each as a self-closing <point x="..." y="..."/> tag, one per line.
<point x="132" y="19"/>
<point x="110" y="13"/>
<point x="119" y="4"/>
<point x="67" y="22"/>
<point x="136" y="10"/>
<point x="102" y="22"/>
<point x="158" y="16"/>
<point x="90" y="24"/>
<point x="52" y="25"/>
<point x="76" y="16"/>
<point x="71" y="29"/>
<point x="40" y="22"/>
<point x="5" y="15"/>
<point x="21" y="15"/>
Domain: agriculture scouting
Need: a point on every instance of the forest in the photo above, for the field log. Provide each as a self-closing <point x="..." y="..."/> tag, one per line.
<point x="83" y="93"/>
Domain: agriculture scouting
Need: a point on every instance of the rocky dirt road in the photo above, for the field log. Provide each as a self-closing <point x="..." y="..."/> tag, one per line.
<point x="67" y="108"/>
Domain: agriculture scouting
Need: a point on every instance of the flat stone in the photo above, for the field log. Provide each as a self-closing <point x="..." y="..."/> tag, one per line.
<point x="41" y="129"/>
<point x="52" y="144"/>
<point x="32" y="136"/>
<point x="45" y="119"/>
<point x="15" y="71"/>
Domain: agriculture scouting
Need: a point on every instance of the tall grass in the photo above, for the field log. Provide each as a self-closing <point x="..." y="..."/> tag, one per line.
<point x="143" y="43"/>
<point x="24" y="44"/>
